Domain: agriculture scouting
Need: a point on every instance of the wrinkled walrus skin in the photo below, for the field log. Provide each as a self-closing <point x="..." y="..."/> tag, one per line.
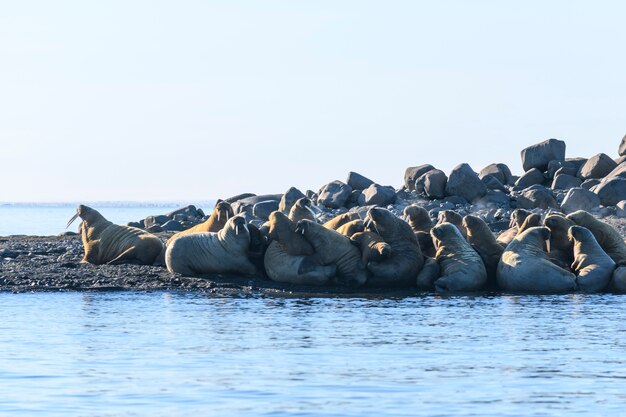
<point x="338" y="221"/>
<point x="216" y="221"/>
<point x="406" y="260"/>
<point x="526" y="268"/>
<point x="593" y="267"/>
<point x="108" y="243"/>
<point x="462" y="268"/>
<point x="301" y="210"/>
<point x="605" y="234"/>
<point x="224" y="252"/>
<point x="484" y="242"/>
<point x="332" y="248"/>
<point x="280" y="266"/>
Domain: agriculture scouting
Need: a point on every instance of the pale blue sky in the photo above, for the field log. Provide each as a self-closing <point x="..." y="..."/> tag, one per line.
<point x="193" y="100"/>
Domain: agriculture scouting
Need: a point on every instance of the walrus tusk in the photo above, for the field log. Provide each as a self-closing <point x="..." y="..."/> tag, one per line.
<point x="218" y="215"/>
<point x="237" y="230"/>
<point x="311" y="210"/>
<point x="74" y="217"/>
<point x="245" y="226"/>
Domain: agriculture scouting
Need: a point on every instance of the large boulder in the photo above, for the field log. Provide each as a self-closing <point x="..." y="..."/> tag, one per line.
<point x="358" y="181"/>
<point x="379" y="195"/>
<point x="565" y="182"/>
<point x="536" y="196"/>
<point x="539" y="155"/>
<point x="263" y="209"/>
<point x="156" y="220"/>
<point x="239" y="197"/>
<point x="245" y="205"/>
<point x="589" y="184"/>
<point x="611" y="191"/>
<point x="433" y="183"/>
<point x="598" y="166"/>
<point x="334" y="194"/>
<point x="492" y="183"/>
<point x="187" y="211"/>
<point x="172" y="226"/>
<point x="464" y="182"/>
<point x="413" y="173"/>
<point x="622" y="147"/>
<point x="579" y="199"/>
<point x="619" y="171"/>
<point x="494" y="198"/>
<point x="531" y="177"/>
<point x="289" y="199"/>
<point x="500" y="171"/>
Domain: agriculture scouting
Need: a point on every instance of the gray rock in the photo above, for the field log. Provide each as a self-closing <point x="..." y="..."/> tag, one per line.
<point x="239" y="206"/>
<point x="492" y="183"/>
<point x="134" y="224"/>
<point x="154" y="228"/>
<point x="500" y="171"/>
<point x="539" y="155"/>
<point x="455" y="200"/>
<point x="356" y="199"/>
<point x="622" y="147"/>
<point x="494" y="198"/>
<point x="239" y="197"/>
<point x="555" y="166"/>
<point x="611" y="191"/>
<point x="597" y="166"/>
<point x="358" y="181"/>
<point x="588" y="184"/>
<point x="619" y="171"/>
<point x="334" y="194"/>
<point x="180" y="217"/>
<point x="579" y="199"/>
<point x="263" y="209"/>
<point x="189" y="211"/>
<point x="536" y="196"/>
<point x="433" y="183"/>
<point x="464" y="182"/>
<point x="289" y="199"/>
<point x="577" y="162"/>
<point x="311" y="195"/>
<point x="532" y="177"/>
<point x="413" y="173"/>
<point x="379" y="195"/>
<point x="620" y="160"/>
<point x="155" y="220"/>
<point x="173" y="226"/>
<point x="565" y="181"/>
<point x="620" y="209"/>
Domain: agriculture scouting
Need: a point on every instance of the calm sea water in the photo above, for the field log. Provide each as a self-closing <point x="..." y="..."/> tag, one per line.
<point x="47" y="220"/>
<point x="175" y="354"/>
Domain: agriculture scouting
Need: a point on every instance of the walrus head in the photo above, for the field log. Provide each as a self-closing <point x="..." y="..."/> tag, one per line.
<point x="279" y="225"/>
<point x="539" y="234"/>
<point x="445" y="231"/>
<point x="223" y="210"/>
<point x="381" y="221"/>
<point x="87" y="214"/>
<point x="559" y="226"/>
<point x="518" y="216"/>
<point x="475" y="227"/>
<point x="449" y="216"/>
<point x="238" y="225"/>
<point x="418" y="218"/>
<point x="578" y="233"/>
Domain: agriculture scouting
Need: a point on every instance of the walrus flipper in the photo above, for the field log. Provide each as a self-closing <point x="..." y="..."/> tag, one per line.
<point x="129" y="256"/>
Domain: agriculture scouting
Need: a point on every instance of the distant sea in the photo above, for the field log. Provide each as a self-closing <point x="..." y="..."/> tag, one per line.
<point x="46" y="219"/>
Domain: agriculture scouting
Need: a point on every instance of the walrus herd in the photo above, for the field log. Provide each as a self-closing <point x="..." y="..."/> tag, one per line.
<point x="367" y="240"/>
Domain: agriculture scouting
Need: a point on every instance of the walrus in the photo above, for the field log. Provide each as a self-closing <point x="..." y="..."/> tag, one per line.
<point x="419" y="220"/>
<point x="605" y="234"/>
<point x="406" y="260"/>
<point x="352" y="227"/>
<point x="484" y="242"/>
<point x="429" y="274"/>
<point x="462" y="269"/>
<point x="526" y="267"/>
<point x="108" y="243"/>
<point x="618" y="280"/>
<point x="561" y="249"/>
<point x="532" y="220"/>
<point x="372" y="246"/>
<point x="301" y="210"/>
<point x="223" y="252"/>
<point x="450" y="216"/>
<point x="280" y="266"/>
<point x="283" y="230"/>
<point x="340" y="220"/>
<point x="332" y="248"/>
<point x="216" y="221"/>
<point x="515" y="222"/>
<point x="593" y="267"/>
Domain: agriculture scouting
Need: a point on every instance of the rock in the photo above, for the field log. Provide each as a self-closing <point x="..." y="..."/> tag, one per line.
<point x="134" y="224"/>
<point x="69" y="233"/>
<point x="564" y="167"/>
<point x="8" y="253"/>
<point x="494" y="198"/>
<point x="620" y="160"/>
<point x="587" y="184"/>
<point x="619" y="171"/>
<point x="464" y="182"/>
<point x="579" y="199"/>
<point x="500" y="171"/>
<point x="244" y="205"/>
<point x="565" y="181"/>
<point x="413" y="173"/>
<point x="154" y="228"/>
<point x="536" y="196"/>
<point x="379" y="195"/>
<point x="455" y="200"/>
<point x="622" y="147"/>
<point x="569" y="170"/>
<point x="597" y="166"/>
<point x="180" y="217"/>
<point x="289" y="199"/>
<point x="434" y="183"/>
<point x="172" y="226"/>
<point x="334" y="194"/>
<point x="239" y="197"/>
<point x="532" y="177"/>
<point x="311" y="195"/>
<point x="155" y="220"/>
<point x="263" y="209"/>
<point x="621" y="209"/>
<point x="189" y="211"/>
<point x="611" y="191"/>
<point x="576" y="162"/>
<point x="539" y="155"/>
<point x="492" y="183"/>
<point x="358" y="181"/>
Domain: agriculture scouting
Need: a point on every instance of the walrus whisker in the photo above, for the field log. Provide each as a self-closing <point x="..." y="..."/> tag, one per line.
<point x="74" y="217"/>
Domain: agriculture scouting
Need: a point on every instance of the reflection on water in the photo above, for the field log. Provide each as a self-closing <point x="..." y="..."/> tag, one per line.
<point x="182" y="354"/>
